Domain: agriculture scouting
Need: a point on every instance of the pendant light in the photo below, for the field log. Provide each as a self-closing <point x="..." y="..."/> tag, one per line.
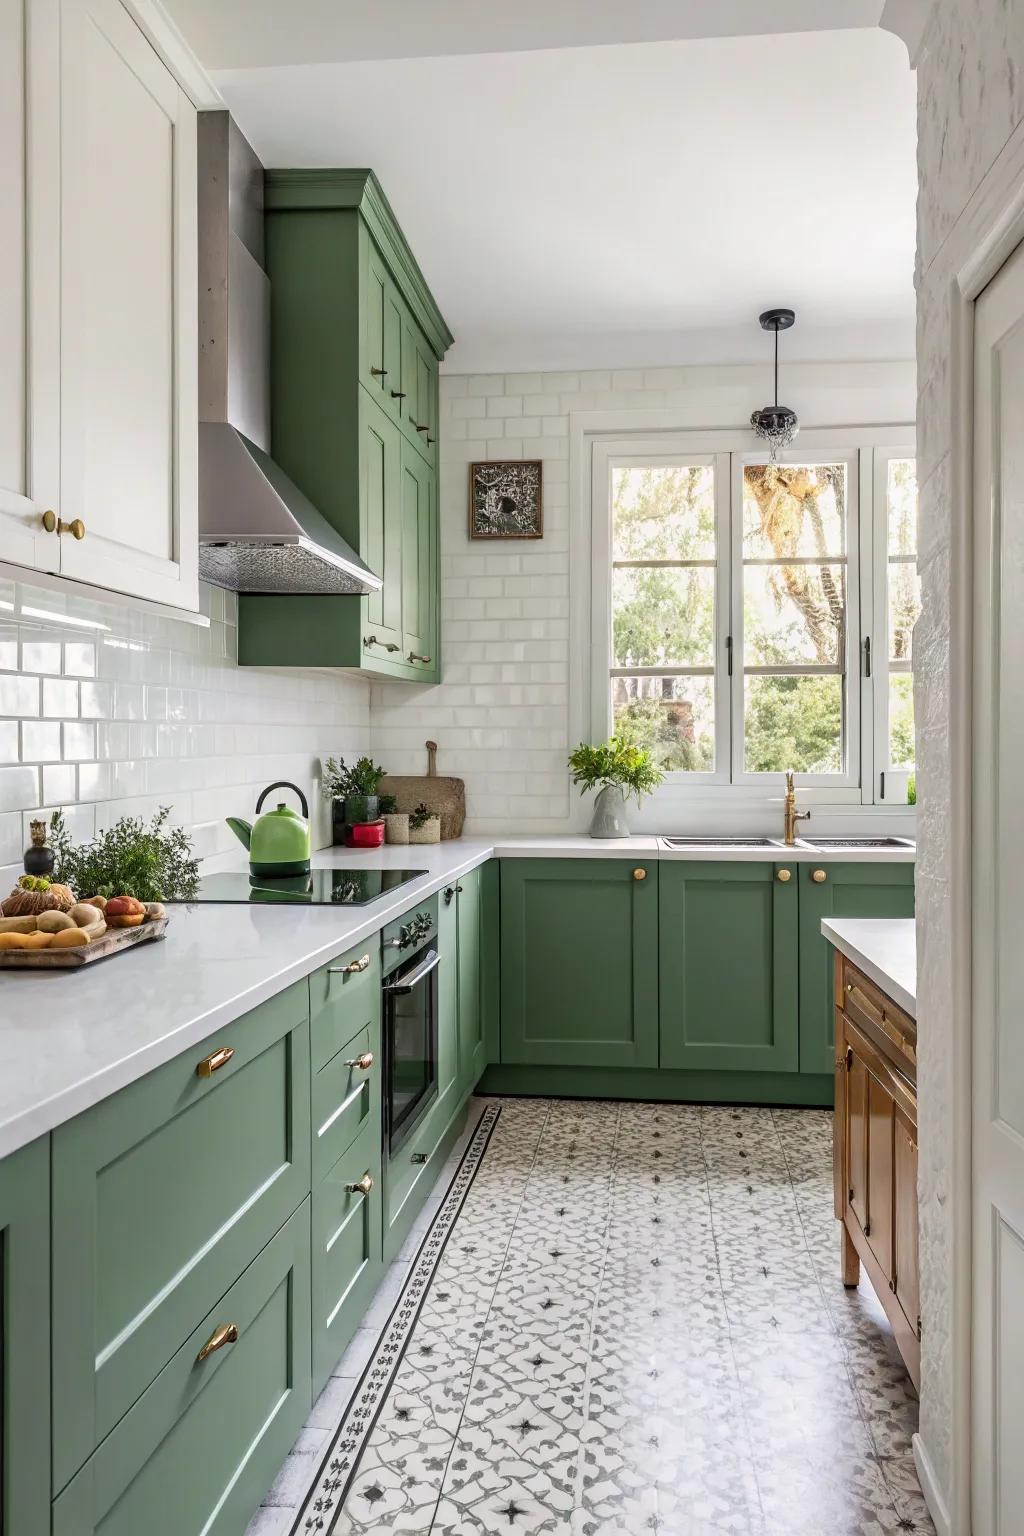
<point x="776" y="424"/>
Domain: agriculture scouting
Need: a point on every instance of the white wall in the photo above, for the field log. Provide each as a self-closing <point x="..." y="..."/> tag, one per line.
<point x="503" y="716"/>
<point x="145" y="712"/>
<point x="971" y="167"/>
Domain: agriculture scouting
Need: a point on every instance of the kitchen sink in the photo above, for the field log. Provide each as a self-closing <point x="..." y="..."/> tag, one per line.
<point x="858" y="842"/>
<point x="721" y="842"/>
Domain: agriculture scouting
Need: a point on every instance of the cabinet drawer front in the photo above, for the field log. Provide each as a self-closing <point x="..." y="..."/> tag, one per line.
<point x="345" y="1098"/>
<point x="346" y="1242"/>
<point x="161" y="1197"/>
<point x="888" y="1027"/>
<point x="200" y="1447"/>
<point x="344" y="997"/>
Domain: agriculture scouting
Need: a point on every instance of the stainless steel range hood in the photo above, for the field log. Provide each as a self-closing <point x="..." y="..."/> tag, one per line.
<point x="258" y="532"/>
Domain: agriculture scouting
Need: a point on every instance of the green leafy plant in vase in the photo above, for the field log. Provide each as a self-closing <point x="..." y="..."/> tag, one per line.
<point x="352" y="792"/>
<point x="616" y="770"/>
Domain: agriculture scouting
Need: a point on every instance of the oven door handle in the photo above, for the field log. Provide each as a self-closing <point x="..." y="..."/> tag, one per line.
<point x="412" y="979"/>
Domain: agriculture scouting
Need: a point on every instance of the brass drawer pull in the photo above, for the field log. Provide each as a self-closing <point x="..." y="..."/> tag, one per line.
<point x="784" y="875"/>
<point x="386" y="645"/>
<point x="353" y="969"/>
<point x="54" y="524"/>
<point x="363" y="1062"/>
<point x="379" y="373"/>
<point x="213" y="1063"/>
<point x="819" y="876"/>
<point x="418" y="1157"/>
<point x="413" y="656"/>
<point x="639" y="874"/>
<point x="227" y="1333"/>
<point x="361" y="1186"/>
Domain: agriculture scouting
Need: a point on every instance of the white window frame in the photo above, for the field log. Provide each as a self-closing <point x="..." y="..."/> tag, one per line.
<point x="889" y="786"/>
<point x="603" y="440"/>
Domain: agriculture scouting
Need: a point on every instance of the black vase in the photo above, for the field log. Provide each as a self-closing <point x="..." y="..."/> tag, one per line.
<point x="338" y="823"/>
<point x="38" y="859"/>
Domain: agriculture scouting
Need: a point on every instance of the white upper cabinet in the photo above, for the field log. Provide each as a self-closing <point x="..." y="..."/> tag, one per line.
<point x="105" y="277"/>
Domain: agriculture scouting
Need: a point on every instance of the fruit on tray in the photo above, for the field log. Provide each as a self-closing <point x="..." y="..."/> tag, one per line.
<point x="124" y="912"/>
<point x="53" y="922"/>
<point x="34" y="894"/>
<point x="84" y="914"/>
<point x="17" y="925"/>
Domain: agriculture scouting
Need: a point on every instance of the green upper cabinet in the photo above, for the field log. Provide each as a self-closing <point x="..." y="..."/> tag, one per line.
<point x="25" y="1341"/>
<point x="728" y="966"/>
<point x="847" y="890"/>
<point x="579" y="962"/>
<point x="356" y="339"/>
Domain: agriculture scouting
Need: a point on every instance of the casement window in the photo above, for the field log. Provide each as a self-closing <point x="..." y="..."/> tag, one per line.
<point x="750" y="617"/>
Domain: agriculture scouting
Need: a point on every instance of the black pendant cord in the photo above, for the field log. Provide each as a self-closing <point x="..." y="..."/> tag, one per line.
<point x="776" y="367"/>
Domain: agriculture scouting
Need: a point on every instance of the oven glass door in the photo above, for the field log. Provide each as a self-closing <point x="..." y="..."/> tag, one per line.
<point x="411" y="1040"/>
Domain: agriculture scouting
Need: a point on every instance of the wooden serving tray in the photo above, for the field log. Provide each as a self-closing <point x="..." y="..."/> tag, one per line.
<point x="113" y="942"/>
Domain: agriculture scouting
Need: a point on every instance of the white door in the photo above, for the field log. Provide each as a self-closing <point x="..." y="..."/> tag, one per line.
<point x="29" y="449"/>
<point x="128" y="339"/>
<point x="997" y="1465"/>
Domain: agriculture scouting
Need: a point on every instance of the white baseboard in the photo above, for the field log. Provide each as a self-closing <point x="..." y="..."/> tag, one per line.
<point x="930" y="1488"/>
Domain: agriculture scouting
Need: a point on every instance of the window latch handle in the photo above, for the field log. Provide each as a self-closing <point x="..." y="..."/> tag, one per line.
<point x="867" y="656"/>
<point x="728" y="654"/>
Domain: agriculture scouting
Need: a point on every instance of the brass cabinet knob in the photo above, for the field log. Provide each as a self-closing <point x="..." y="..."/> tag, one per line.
<point x="819" y="876"/>
<point x="415" y="656"/>
<point x="49" y="521"/>
<point x="352" y="969"/>
<point x="379" y="373"/>
<point x="639" y="874"/>
<point x="398" y="394"/>
<point x="54" y="524"/>
<point x="213" y="1063"/>
<point x="361" y="1186"/>
<point x="784" y="875"/>
<point x="363" y="1062"/>
<point x="849" y="986"/>
<point x="227" y="1333"/>
<point x="386" y="645"/>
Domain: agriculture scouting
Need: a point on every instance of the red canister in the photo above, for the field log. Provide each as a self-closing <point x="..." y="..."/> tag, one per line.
<point x="366" y="834"/>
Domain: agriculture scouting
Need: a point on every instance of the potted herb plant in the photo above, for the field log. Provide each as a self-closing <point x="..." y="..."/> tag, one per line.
<point x="424" y="825"/>
<point x="352" y="792"/>
<point x="615" y="770"/>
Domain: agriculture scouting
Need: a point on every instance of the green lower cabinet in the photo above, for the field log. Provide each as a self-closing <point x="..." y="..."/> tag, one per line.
<point x="346" y="1233"/>
<point x="472" y="979"/>
<point x="25" y="1341"/>
<point x="579" y="962"/>
<point x="848" y="890"/>
<point x="203" y="1443"/>
<point x="728" y="966"/>
<point x="161" y="1196"/>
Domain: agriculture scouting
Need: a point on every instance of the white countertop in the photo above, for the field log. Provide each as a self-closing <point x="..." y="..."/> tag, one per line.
<point x="69" y="1039"/>
<point x="885" y="949"/>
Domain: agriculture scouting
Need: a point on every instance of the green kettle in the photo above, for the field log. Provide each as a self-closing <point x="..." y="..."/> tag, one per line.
<point x="278" y="842"/>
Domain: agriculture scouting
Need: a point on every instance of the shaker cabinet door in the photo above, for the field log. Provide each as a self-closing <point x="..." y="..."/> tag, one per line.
<point x="380" y="520"/>
<point x="25" y="1341"/>
<point x="128" y="338"/>
<point x="419" y="561"/>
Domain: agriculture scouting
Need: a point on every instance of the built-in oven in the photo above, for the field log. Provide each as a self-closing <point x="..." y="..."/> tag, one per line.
<point x="410" y="1029"/>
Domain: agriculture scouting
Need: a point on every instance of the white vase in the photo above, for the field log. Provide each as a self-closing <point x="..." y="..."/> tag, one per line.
<point x="609" y="819"/>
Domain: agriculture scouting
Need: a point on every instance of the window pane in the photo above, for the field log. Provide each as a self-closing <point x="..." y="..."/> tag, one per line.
<point x="901" y="504"/>
<point x="793" y="613"/>
<point x="664" y="513"/>
<point x="793" y="722"/>
<point x="904" y="607"/>
<point x="794" y="509"/>
<point x="901" y="720"/>
<point x="673" y="717"/>
<point x="663" y="616"/>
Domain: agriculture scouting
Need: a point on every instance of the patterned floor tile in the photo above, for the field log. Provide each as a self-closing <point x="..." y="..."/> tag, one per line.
<point x="635" y="1325"/>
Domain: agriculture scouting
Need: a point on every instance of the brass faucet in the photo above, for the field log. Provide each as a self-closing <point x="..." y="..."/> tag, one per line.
<point x="791" y="814"/>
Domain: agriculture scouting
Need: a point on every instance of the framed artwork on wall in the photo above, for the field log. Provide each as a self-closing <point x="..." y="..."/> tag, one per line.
<point x="505" y="500"/>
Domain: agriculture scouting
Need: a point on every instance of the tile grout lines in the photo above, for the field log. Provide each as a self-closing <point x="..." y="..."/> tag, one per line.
<point x="490" y="1305"/>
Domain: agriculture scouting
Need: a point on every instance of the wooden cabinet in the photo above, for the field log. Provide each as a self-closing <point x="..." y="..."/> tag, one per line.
<point x="875" y="1150"/>
<point x="98" y="392"/>
<point x="356" y="341"/>
<point x="579" y="962"/>
<point x="25" y="1341"/>
<point x="728" y="966"/>
<point x="838" y="889"/>
<point x="161" y="1196"/>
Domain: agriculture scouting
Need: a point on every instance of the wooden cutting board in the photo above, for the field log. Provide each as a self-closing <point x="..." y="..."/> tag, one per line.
<point x="113" y="942"/>
<point x="444" y="795"/>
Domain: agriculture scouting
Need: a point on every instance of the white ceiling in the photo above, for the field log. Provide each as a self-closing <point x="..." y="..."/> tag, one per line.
<point x="630" y="203"/>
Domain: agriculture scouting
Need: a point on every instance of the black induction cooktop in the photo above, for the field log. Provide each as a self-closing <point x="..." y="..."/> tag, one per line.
<point x="320" y="888"/>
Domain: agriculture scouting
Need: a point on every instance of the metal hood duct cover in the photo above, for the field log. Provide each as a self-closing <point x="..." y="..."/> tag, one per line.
<point x="258" y="532"/>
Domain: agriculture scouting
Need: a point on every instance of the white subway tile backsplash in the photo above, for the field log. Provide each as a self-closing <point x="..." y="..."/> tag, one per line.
<point x="19" y="696"/>
<point x="9" y="752"/>
<point x="60" y="698"/>
<point x="40" y="656"/>
<point x="40" y="741"/>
